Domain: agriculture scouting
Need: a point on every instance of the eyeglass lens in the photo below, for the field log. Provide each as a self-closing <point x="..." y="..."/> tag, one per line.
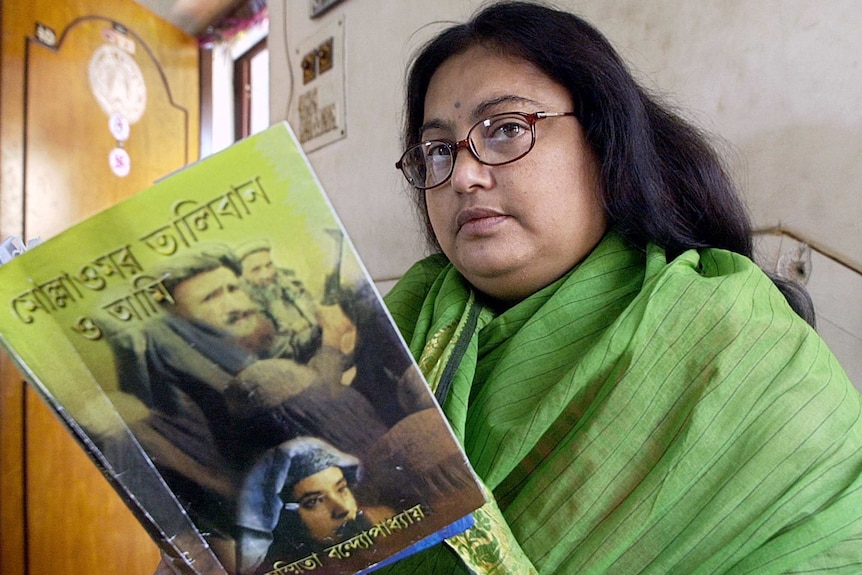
<point x="497" y="140"/>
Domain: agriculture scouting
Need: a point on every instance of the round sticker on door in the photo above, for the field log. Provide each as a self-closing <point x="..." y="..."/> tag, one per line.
<point x="120" y="162"/>
<point x="120" y="126"/>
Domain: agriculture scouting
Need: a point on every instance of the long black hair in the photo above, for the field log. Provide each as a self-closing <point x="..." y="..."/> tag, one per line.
<point x="661" y="179"/>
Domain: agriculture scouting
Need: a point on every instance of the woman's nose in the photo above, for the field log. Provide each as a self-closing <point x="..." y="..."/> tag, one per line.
<point x="338" y="511"/>
<point x="469" y="174"/>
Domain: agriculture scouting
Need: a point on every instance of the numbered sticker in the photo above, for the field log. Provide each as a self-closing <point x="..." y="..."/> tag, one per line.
<point x="120" y="162"/>
<point x="120" y="126"/>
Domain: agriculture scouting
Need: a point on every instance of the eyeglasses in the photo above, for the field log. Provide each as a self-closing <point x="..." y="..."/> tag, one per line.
<point x="496" y="140"/>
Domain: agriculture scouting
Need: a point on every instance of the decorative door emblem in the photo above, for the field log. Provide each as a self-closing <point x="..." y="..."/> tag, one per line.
<point x="118" y="85"/>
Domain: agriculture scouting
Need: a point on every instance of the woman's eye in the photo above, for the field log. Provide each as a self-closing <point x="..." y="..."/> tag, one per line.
<point x="506" y="129"/>
<point x="511" y="130"/>
<point x="437" y="149"/>
<point x="311" y="502"/>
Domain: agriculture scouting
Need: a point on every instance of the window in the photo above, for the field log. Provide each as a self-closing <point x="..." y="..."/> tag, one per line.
<point x="234" y="88"/>
<point x="251" y="91"/>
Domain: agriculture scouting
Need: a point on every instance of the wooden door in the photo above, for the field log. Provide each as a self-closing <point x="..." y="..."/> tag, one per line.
<point x="70" y="69"/>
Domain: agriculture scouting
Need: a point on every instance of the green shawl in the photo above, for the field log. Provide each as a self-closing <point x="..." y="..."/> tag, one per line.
<point x="643" y="416"/>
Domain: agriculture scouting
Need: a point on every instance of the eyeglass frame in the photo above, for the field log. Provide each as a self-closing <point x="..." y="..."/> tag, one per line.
<point x="455" y="146"/>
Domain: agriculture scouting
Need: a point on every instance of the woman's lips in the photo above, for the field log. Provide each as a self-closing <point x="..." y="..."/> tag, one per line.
<point x="475" y="220"/>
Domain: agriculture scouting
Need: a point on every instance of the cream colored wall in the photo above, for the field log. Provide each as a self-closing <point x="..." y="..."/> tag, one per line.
<point x="779" y="80"/>
<point x="359" y="172"/>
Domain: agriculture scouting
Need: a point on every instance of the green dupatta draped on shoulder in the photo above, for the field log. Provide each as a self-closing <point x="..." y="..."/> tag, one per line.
<point x="642" y="416"/>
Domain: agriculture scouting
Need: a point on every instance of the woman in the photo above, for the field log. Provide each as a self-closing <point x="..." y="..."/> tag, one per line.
<point x="297" y="499"/>
<point x="636" y="394"/>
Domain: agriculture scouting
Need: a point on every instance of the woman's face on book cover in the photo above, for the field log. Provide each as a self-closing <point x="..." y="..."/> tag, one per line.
<point x="326" y="503"/>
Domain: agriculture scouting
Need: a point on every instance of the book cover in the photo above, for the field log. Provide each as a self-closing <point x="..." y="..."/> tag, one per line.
<point x="216" y="346"/>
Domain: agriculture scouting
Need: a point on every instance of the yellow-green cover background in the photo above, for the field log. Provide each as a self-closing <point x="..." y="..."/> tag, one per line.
<point x="66" y="365"/>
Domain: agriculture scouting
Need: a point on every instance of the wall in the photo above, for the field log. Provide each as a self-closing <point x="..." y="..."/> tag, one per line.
<point x="778" y="80"/>
<point x="359" y="171"/>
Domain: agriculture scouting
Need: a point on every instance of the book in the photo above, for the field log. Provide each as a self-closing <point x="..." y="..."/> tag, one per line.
<point x="216" y="346"/>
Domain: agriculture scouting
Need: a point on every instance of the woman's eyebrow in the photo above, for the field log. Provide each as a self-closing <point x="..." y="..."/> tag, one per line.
<point x="435" y="124"/>
<point x="484" y="108"/>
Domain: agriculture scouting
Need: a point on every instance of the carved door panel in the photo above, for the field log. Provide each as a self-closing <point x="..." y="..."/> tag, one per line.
<point x="109" y="104"/>
<point x="100" y="124"/>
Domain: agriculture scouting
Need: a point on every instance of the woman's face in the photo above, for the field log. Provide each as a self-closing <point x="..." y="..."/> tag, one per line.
<point x="515" y="228"/>
<point x="326" y="503"/>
